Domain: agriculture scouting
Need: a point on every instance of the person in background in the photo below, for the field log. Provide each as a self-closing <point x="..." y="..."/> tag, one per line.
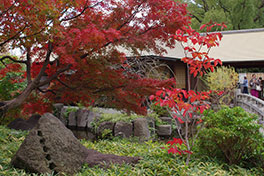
<point x="245" y="85"/>
<point x="261" y="82"/>
<point x="253" y="84"/>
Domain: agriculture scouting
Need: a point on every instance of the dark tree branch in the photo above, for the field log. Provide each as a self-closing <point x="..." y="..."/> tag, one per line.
<point x="54" y="76"/>
<point x="5" y="11"/>
<point x="223" y="7"/>
<point x="131" y="17"/>
<point x="259" y="7"/>
<point x="45" y="64"/>
<point x="108" y="89"/>
<point x="28" y="64"/>
<point x="257" y="18"/>
<point x="12" y="59"/>
<point x="84" y="9"/>
<point x="60" y="81"/>
<point x="198" y="19"/>
<point x="46" y="91"/>
<point x="108" y="43"/>
<point x="36" y="33"/>
<point x="13" y="37"/>
<point x="205" y="6"/>
<point x="3" y="63"/>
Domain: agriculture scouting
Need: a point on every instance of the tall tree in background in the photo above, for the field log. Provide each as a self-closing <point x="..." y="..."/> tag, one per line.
<point x="236" y="14"/>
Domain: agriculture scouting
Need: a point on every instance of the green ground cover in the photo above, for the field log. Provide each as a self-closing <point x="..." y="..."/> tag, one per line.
<point x="155" y="161"/>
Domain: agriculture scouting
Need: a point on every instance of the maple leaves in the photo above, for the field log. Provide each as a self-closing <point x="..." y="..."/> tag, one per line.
<point x="76" y="45"/>
<point x="174" y="99"/>
<point x="175" y="147"/>
<point x="197" y="47"/>
<point x="187" y="106"/>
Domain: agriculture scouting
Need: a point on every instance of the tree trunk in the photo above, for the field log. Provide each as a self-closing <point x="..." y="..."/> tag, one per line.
<point x="10" y="104"/>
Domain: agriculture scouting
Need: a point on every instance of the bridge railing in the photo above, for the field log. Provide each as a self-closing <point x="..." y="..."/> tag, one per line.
<point x="251" y="104"/>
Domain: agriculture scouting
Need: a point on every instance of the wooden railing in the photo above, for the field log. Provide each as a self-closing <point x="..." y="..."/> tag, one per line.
<point x="251" y="104"/>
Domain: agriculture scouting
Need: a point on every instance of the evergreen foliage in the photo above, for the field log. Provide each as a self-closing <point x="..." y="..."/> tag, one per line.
<point x="236" y="14"/>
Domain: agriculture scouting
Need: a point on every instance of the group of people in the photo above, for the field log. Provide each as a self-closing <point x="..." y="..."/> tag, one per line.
<point x="256" y="86"/>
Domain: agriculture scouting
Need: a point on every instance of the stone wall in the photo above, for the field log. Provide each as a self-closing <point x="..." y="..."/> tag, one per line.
<point x="82" y="122"/>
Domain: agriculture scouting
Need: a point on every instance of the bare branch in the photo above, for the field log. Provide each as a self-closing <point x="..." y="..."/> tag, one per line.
<point x="36" y="33"/>
<point x="45" y="64"/>
<point x="54" y="76"/>
<point x="84" y="9"/>
<point x="28" y="63"/>
<point x="108" y="89"/>
<point x="12" y="59"/>
<point x="46" y="91"/>
<point x="13" y="37"/>
<point x="130" y="18"/>
<point x="205" y="6"/>
<point x="223" y="7"/>
<point x="116" y="40"/>
<point x="198" y="19"/>
<point x="5" y="11"/>
<point x="60" y="81"/>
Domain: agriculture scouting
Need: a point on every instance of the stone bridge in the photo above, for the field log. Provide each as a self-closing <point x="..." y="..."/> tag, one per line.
<point x="252" y="105"/>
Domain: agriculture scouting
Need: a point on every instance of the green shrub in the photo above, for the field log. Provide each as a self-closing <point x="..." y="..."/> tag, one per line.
<point x="108" y="117"/>
<point x="223" y="79"/>
<point x="154" y="159"/>
<point x="159" y="110"/>
<point x="231" y="135"/>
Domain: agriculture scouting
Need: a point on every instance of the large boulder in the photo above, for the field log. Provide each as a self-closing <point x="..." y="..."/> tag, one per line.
<point x="65" y="112"/>
<point x="151" y="125"/>
<point x="164" y="130"/>
<point x="72" y="120"/>
<point x="50" y="146"/>
<point x="123" y="129"/>
<point x="57" y="109"/>
<point x="33" y="120"/>
<point x="85" y="118"/>
<point x="105" y="160"/>
<point x="141" y="129"/>
<point x="84" y="134"/>
<point x="105" y="129"/>
<point x="21" y="124"/>
<point x="168" y="120"/>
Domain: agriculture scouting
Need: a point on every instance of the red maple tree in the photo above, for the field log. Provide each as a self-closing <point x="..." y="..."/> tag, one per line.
<point x="187" y="106"/>
<point x="58" y="37"/>
<point x="76" y="45"/>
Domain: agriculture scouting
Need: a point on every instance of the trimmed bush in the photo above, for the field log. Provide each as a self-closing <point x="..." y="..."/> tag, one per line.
<point x="231" y="135"/>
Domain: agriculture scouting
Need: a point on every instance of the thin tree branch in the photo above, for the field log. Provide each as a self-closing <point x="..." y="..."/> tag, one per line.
<point x="55" y="75"/>
<point x="84" y="9"/>
<point x="205" y="6"/>
<point x="261" y="5"/>
<point x="108" y="43"/>
<point x="5" y="11"/>
<point x="46" y="91"/>
<point x="60" y="81"/>
<point x="45" y="64"/>
<point x="13" y="37"/>
<point x="28" y="63"/>
<point x="12" y="59"/>
<point x="198" y="19"/>
<point x="119" y="28"/>
<point x="130" y="18"/>
<point x="223" y="7"/>
<point x="108" y="89"/>
<point x="36" y="33"/>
